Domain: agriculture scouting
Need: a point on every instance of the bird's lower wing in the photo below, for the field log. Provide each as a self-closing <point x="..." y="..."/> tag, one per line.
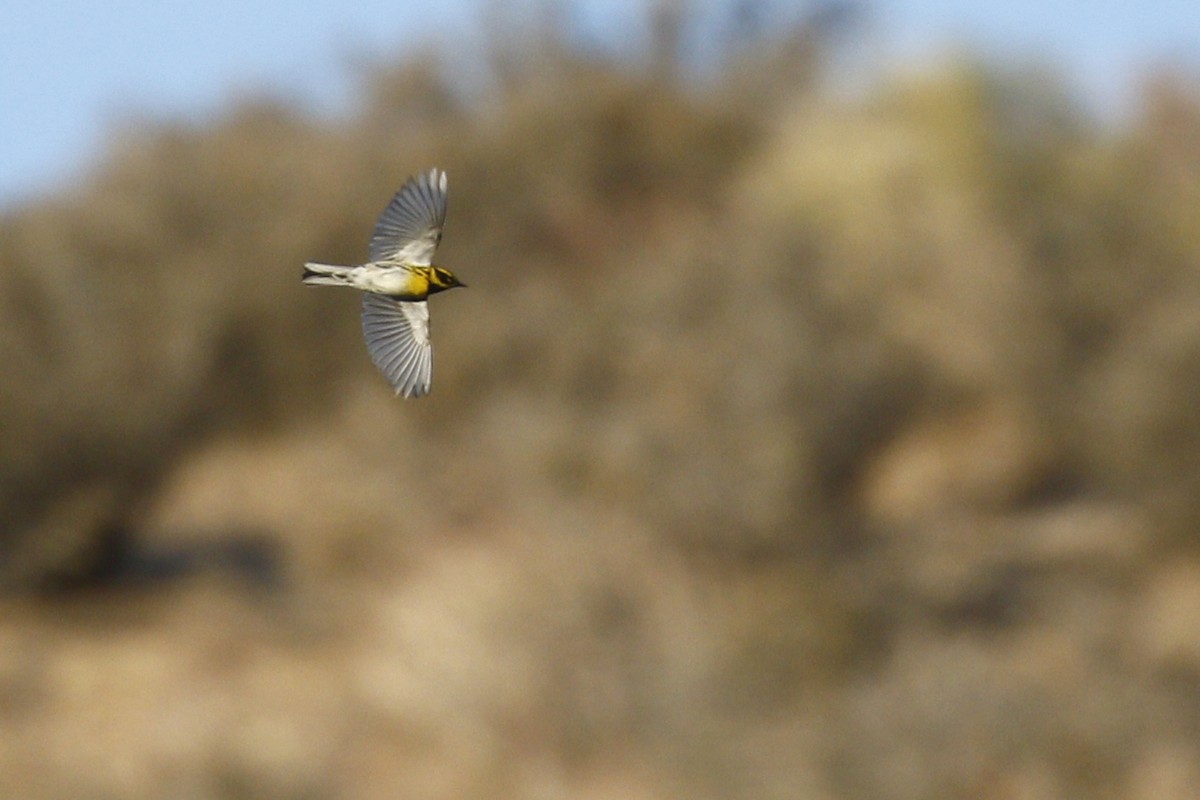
<point x="397" y="335"/>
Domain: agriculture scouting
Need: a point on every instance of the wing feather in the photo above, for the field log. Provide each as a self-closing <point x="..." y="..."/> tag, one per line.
<point x="410" y="228"/>
<point x="397" y="335"/>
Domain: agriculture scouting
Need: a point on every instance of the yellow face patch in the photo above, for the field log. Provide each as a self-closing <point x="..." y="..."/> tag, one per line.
<point x="441" y="279"/>
<point x="420" y="282"/>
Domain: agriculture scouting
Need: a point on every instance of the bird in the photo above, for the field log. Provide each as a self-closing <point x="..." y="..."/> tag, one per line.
<point x="397" y="280"/>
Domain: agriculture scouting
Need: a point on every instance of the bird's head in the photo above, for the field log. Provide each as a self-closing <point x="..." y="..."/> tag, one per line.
<point x="442" y="279"/>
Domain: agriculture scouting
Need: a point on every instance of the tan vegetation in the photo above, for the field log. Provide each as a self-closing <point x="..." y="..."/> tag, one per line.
<point x="785" y="446"/>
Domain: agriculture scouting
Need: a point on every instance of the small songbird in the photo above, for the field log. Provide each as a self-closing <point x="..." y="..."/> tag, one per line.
<point x="397" y="282"/>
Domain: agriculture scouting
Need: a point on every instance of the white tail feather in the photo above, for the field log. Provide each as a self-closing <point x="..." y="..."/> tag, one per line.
<point x="326" y="275"/>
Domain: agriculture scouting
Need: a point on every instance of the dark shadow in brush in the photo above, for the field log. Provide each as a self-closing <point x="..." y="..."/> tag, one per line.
<point x="122" y="561"/>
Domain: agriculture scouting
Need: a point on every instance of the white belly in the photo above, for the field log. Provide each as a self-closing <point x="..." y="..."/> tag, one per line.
<point x="383" y="280"/>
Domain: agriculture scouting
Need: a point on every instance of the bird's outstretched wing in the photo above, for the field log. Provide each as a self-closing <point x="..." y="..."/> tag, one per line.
<point x="397" y="335"/>
<point x="410" y="227"/>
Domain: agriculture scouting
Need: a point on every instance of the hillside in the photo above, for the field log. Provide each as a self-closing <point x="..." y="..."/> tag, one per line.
<point x="786" y="445"/>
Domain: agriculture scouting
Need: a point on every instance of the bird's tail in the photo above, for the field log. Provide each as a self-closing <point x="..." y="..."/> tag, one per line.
<point x="325" y="275"/>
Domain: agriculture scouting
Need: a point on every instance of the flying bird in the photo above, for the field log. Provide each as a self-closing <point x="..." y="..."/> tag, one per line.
<point x="397" y="281"/>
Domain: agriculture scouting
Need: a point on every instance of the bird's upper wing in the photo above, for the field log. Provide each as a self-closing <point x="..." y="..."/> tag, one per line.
<point x="397" y="335"/>
<point x="410" y="227"/>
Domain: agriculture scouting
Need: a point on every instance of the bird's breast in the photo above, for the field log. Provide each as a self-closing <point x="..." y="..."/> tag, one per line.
<point x="396" y="282"/>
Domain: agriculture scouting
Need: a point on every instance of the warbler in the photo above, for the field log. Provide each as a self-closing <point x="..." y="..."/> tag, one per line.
<point x="397" y="282"/>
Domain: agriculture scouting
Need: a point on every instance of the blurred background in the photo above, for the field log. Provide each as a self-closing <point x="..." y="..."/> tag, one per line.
<point x="823" y="420"/>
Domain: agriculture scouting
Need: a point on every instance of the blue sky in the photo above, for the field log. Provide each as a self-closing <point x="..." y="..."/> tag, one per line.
<point x="71" y="70"/>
